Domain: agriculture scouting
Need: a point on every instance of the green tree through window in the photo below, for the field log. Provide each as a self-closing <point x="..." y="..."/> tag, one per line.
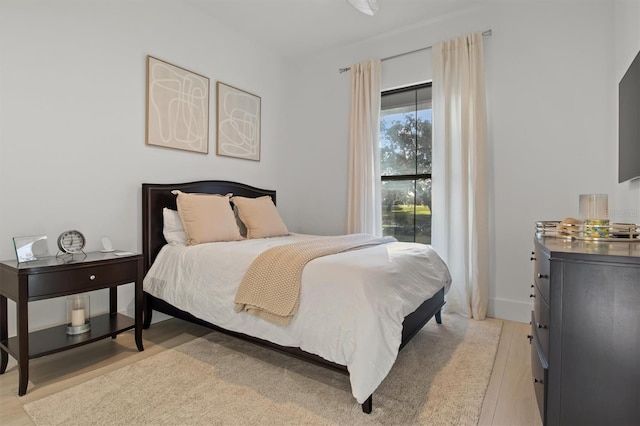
<point x="405" y="163"/>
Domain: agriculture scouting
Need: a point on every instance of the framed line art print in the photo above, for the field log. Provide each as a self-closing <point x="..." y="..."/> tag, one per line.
<point x="238" y="129"/>
<point x="177" y="107"/>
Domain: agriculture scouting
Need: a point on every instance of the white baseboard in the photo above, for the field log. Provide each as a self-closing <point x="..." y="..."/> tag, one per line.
<point x="159" y="317"/>
<point x="155" y="317"/>
<point x="510" y="310"/>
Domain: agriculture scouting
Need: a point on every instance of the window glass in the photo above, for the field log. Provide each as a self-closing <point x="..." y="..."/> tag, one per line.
<point x="405" y="163"/>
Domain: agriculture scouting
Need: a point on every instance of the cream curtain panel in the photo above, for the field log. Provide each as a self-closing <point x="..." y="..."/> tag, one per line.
<point x="460" y="231"/>
<point x="364" y="208"/>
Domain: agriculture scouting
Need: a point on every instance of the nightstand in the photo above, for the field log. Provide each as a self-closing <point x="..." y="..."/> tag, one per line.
<point x="62" y="276"/>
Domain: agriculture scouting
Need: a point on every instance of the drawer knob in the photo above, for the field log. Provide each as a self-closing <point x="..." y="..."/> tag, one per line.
<point x="92" y="277"/>
<point x="545" y="276"/>
<point x="532" y="258"/>
<point x="540" y="325"/>
<point x="532" y="295"/>
<point x="530" y="337"/>
<point x="538" y="380"/>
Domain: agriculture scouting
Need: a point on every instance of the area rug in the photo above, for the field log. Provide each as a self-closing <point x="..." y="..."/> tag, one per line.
<point x="439" y="378"/>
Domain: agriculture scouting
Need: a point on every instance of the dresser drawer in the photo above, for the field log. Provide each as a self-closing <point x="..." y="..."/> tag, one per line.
<point x="540" y="322"/>
<point x="541" y="270"/>
<point x="540" y="376"/>
<point x="80" y="279"/>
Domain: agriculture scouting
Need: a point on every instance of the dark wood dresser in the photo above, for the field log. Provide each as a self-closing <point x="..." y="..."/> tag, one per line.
<point x="585" y="332"/>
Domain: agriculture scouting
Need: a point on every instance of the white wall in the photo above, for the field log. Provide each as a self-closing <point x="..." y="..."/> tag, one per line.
<point x="72" y="119"/>
<point x="72" y="95"/>
<point x="550" y="94"/>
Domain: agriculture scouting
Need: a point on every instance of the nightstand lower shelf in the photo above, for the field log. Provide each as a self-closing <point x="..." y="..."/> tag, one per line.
<point x="55" y="339"/>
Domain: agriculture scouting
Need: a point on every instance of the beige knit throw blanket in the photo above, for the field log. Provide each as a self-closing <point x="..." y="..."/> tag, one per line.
<point x="270" y="289"/>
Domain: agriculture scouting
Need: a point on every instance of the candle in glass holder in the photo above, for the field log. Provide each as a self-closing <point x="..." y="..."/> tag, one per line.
<point x="594" y="213"/>
<point x="78" y="314"/>
<point x="77" y="317"/>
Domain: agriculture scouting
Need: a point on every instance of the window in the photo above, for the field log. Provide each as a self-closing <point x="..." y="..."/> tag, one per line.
<point x="405" y="163"/>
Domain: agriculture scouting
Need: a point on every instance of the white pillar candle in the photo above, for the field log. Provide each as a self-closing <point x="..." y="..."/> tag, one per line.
<point x="77" y="317"/>
<point x="594" y="206"/>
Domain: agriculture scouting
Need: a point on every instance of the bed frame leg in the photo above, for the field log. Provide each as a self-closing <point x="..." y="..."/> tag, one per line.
<point x="439" y="317"/>
<point x="367" y="406"/>
<point x="148" y="309"/>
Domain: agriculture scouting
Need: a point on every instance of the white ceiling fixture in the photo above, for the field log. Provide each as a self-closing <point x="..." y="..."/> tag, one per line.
<point x="299" y="28"/>
<point x="368" y="7"/>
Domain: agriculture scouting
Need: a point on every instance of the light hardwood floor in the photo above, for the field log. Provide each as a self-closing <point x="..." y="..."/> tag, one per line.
<point x="509" y="399"/>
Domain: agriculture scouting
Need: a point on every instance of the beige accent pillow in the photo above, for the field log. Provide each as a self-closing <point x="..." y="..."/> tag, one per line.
<point x="260" y="216"/>
<point x="206" y="218"/>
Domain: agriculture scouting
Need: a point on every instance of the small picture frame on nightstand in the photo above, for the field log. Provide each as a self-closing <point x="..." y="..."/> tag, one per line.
<point x="31" y="248"/>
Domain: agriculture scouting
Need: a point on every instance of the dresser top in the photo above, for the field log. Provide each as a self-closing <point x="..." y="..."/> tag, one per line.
<point x="559" y="247"/>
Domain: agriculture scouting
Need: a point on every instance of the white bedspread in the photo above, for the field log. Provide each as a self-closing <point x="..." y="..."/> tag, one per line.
<point x="352" y="304"/>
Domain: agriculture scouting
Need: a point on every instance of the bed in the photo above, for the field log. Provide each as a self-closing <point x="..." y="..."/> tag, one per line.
<point x="157" y="197"/>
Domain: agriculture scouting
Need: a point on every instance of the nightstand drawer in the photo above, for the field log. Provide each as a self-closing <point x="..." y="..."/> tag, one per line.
<point x="79" y="279"/>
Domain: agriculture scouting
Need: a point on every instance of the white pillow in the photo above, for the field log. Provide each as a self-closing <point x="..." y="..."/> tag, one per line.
<point x="172" y="229"/>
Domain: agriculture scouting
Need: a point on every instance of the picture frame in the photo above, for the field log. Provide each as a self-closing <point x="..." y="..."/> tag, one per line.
<point x="238" y="123"/>
<point x="177" y="107"/>
<point x="31" y="248"/>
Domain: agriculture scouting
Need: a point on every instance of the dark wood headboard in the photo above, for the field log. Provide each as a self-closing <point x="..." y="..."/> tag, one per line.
<point x="155" y="196"/>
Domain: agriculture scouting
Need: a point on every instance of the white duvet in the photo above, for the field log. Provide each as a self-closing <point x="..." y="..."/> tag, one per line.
<point x="352" y="304"/>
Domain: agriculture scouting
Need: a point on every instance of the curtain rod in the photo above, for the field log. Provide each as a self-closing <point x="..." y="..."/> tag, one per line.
<point x="341" y="70"/>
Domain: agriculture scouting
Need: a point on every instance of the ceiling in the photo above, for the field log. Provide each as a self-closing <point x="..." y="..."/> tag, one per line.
<point x="298" y="27"/>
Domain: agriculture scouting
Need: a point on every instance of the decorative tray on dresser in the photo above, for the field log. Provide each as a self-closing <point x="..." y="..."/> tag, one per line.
<point x="609" y="232"/>
<point x="585" y="330"/>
